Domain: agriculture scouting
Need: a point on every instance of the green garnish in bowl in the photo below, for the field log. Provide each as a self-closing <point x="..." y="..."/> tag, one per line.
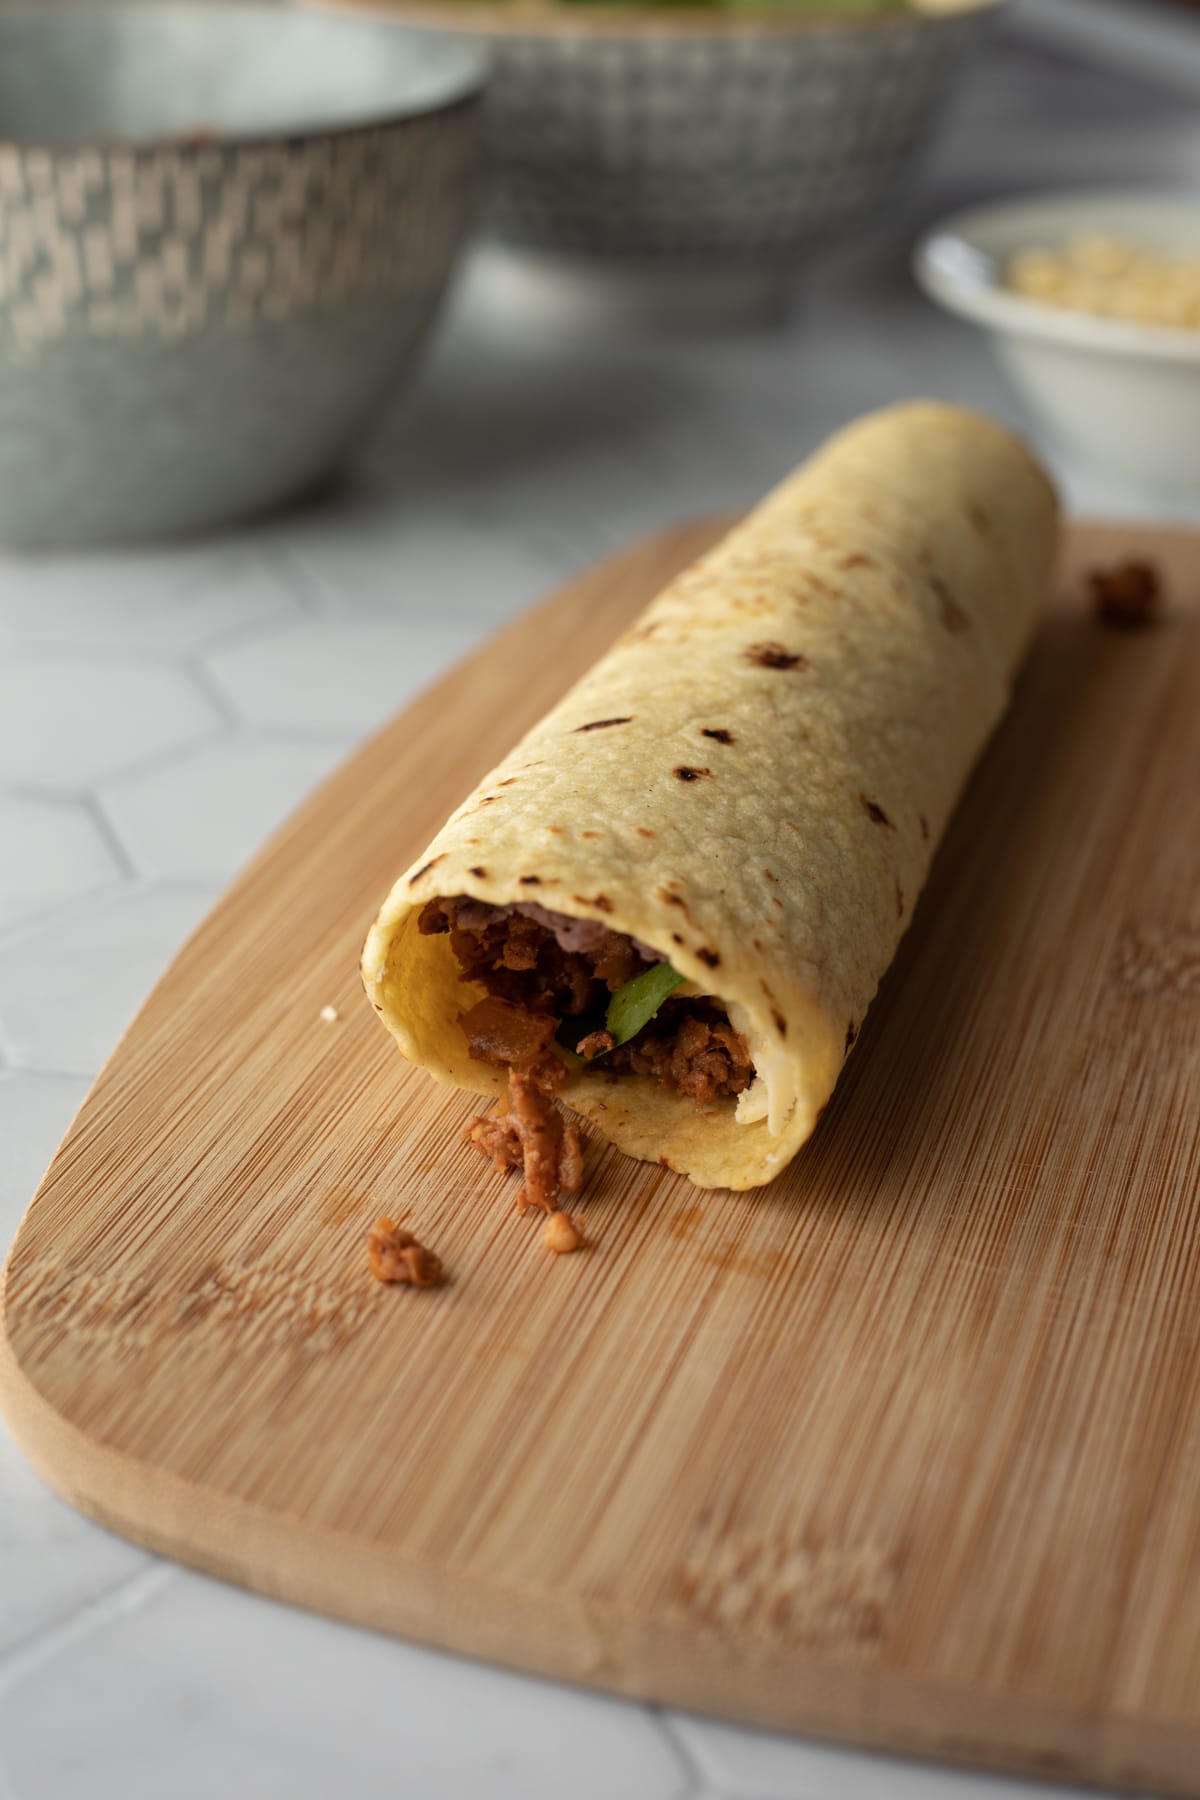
<point x="635" y="1004"/>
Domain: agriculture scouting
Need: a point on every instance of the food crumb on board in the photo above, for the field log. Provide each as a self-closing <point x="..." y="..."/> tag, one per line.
<point x="330" y="1014"/>
<point x="535" y="1136"/>
<point x="1127" y="595"/>
<point x="395" y="1255"/>
<point x="562" y="1234"/>
<point x="496" y="1136"/>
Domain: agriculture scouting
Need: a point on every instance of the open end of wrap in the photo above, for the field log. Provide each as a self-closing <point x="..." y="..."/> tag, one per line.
<point x="414" y="980"/>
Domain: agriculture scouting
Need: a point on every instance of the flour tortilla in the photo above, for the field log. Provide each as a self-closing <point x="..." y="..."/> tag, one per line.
<point x="856" y="638"/>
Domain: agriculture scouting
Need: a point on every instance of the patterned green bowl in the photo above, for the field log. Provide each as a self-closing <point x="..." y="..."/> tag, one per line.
<point x="680" y="137"/>
<point x="224" y="231"/>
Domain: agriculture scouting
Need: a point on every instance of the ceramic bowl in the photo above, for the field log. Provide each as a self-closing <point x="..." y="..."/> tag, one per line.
<point x="713" y="139"/>
<point x="223" y="233"/>
<point x="1126" y="396"/>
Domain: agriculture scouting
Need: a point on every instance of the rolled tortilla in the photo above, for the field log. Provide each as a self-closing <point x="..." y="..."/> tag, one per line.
<point x="754" y="779"/>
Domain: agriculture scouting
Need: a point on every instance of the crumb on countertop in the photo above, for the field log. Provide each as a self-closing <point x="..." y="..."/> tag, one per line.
<point x="562" y="1234"/>
<point x="395" y="1255"/>
<point x="1128" y="594"/>
<point x="330" y="1014"/>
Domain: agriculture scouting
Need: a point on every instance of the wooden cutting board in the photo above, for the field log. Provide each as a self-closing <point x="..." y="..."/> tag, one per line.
<point x="904" y="1449"/>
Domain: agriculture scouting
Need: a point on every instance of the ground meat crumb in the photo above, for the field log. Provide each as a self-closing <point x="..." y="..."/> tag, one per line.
<point x="551" y="1146"/>
<point x="506" y="1035"/>
<point x="1127" y="595"/>
<point x="496" y="1135"/>
<point x="395" y="1255"/>
<point x="596" y="1043"/>
<point x="534" y="1136"/>
<point x="562" y="1234"/>
<point x="695" y="1052"/>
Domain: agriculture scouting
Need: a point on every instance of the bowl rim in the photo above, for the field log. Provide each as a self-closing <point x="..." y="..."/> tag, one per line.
<point x="545" y="19"/>
<point x="943" y="272"/>
<point x="467" y="77"/>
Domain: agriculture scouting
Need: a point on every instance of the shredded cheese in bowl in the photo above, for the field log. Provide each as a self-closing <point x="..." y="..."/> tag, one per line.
<point x="1112" y="277"/>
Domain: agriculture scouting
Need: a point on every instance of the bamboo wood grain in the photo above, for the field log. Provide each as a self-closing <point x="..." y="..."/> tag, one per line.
<point x="904" y="1449"/>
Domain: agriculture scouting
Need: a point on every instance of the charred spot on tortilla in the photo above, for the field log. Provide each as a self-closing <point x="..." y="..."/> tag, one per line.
<point x="718" y="734"/>
<point x="530" y="880"/>
<point x="710" y="957"/>
<point x="478" y="870"/>
<point x="424" y="869"/>
<point x="858" y="561"/>
<point x="775" y="656"/>
<point x="950" y="612"/>
<point x="589" y="834"/>
<point x="978" y="518"/>
<point x="643" y="831"/>
<point x="875" y="812"/>
<point x="780" y="1021"/>
<point x="675" y="938"/>
<point x="603" y="724"/>
<point x="684" y="773"/>
<point x="600" y="901"/>
<point x="851" y="1034"/>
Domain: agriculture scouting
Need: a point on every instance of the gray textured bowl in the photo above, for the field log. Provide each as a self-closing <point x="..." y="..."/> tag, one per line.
<point x="700" y="138"/>
<point x="223" y="232"/>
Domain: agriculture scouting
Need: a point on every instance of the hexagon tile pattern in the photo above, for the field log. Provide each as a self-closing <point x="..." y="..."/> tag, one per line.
<point x="66" y="722"/>
<point x="69" y="987"/>
<point x="58" y="853"/>
<point x="140" y="600"/>
<point x="406" y="567"/>
<point x="206" y="814"/>
<point x="744" y="1764"/>
<point x="350" y="675"/>
<point x="296" y="1697"/>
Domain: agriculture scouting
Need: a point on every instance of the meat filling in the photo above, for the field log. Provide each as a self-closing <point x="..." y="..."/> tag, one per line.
<point x="534" y="1136"/>
<point x="548" y="981"/>
<point x="690" y="1047"/>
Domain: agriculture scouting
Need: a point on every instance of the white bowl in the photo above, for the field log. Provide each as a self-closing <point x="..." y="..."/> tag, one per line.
<point x="1126" y="396"/>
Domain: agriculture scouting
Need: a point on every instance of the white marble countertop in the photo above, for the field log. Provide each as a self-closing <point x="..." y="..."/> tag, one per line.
<point x="160" y="712"/>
